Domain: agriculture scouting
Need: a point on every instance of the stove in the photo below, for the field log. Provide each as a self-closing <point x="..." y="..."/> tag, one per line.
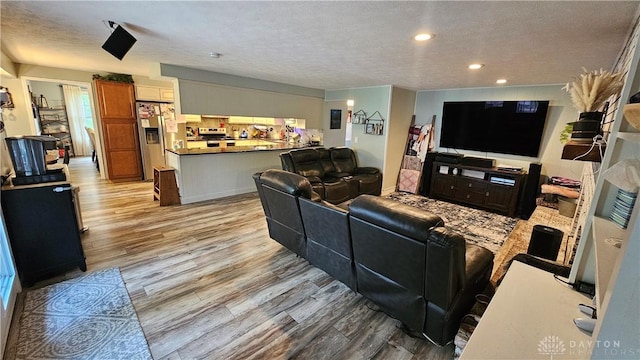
<point x="212" y="133"/>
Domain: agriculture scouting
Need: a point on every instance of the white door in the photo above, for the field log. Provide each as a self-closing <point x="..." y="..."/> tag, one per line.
<point x="9" y="285"/>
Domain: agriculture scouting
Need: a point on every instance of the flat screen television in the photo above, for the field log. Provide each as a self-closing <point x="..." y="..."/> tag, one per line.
<point x="505" y="127"/>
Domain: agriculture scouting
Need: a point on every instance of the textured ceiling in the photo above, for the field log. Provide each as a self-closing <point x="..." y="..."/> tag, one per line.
<point x="329" y="45"/>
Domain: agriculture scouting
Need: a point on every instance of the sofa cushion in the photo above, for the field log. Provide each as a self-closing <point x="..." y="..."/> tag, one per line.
<point x="344" y="160"/>
<point x="336" y="191"/>
<point x="325" y="160"/>
<point x="329" y="239"/>
<point x="307" y="162"/>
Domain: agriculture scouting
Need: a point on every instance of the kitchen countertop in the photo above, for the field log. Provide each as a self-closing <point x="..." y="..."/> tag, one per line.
<point x="200" y="138"/>
<point x="236" y="149"/>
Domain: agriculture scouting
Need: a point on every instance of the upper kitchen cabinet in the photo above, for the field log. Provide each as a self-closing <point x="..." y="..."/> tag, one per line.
<point x="116" y="100"/>
<point x="240" y="120"/>
<point x="154" y="93"/>
<point x="254" y="120"/>
<point x="266" y="121"/>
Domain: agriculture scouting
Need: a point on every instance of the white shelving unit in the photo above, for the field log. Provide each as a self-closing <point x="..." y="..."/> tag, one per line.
<point x="615" y="271"/>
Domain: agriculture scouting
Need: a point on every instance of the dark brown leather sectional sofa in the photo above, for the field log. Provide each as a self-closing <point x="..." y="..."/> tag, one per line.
<point x="334" y="173"/>
<point x="398" y="256"/>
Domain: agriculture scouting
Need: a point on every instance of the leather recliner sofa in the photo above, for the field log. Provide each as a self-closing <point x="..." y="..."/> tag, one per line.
<point x="399" y="257"/>
<point x="333" y="173"/>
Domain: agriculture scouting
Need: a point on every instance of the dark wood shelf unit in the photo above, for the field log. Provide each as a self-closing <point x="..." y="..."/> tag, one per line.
<point x="52" y="122"/>
<point x="485" y="188"/>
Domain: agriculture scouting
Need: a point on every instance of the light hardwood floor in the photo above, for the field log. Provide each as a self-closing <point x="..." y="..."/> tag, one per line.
<point x="208" y="282"/>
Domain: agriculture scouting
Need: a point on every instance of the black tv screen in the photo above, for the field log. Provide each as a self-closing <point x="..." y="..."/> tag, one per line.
<point x="505" y="127"/>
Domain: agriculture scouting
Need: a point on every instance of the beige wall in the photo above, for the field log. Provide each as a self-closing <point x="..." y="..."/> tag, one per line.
<point x="213" y="99"/>
<point x="370" y="149"/>
<point x="19" y="120"/>
<point x="334" y="137"/>
<point x="397" y="129"/>
<point x="211" y="93"/>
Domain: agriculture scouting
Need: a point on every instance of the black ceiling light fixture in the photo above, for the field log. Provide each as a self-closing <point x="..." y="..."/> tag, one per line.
<point x="119" y="42"/>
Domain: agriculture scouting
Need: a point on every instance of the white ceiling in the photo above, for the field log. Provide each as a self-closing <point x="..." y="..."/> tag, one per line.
<point x="329" y="45"/>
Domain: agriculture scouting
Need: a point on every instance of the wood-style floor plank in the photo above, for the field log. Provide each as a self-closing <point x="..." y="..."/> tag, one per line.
<point x="207" y="282"/>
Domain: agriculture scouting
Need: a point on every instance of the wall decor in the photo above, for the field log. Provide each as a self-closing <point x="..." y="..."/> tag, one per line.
<point x="373" y="125"/>
<point x="358" y="117"/>
<point x="336" y="118"/>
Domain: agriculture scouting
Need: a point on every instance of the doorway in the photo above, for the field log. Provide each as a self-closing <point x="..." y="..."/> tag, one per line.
<point x="65" y="110"/>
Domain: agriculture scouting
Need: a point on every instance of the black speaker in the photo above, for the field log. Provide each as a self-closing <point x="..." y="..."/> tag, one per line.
<point x="545" y="242"/>
<point x="427" y="170"/>
<point x="451" y="158"/>
<point x="119" y="42"/>
<point x="478" y="162"/>
<point x="530" y="191"/>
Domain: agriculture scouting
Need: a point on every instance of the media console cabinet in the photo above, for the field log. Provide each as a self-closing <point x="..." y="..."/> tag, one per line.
<point x="487" y="188"/>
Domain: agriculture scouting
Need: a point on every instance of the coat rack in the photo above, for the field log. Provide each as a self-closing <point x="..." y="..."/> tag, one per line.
<point x="374" y="126"/>
<point x="358" y="117"/>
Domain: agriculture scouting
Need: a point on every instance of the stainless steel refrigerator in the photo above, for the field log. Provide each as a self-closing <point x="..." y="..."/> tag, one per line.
<point x="152" y="117"/>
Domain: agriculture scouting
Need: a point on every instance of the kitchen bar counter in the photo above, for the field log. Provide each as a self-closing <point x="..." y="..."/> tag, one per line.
<point x="219" y="172"/>
<point x="235" y="149"/>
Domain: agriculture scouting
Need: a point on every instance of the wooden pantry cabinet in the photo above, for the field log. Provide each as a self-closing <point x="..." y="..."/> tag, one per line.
<point x="116" y="104"/>
<point x="490" y="189"/>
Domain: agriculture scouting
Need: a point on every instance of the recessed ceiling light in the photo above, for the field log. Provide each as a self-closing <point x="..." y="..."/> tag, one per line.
<point x="501" y="81"/>
<point x="215" y="55"/>
<point x="423" y="37"/>
<point x="476" y="66"/>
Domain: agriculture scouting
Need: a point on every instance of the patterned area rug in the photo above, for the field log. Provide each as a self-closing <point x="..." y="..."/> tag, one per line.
<point x="90" y="317"/>
<point x="477" y="226"/>
<point x="518" y="241"/>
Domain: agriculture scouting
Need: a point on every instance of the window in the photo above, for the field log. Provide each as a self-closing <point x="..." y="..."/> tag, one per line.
<point x="86" y="109"/>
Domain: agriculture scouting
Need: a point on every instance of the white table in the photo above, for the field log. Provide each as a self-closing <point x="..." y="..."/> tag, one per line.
<point x="530" y="317"/>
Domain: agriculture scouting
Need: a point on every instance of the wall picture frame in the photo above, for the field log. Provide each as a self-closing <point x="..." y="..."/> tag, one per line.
<point x="336" y="119"/>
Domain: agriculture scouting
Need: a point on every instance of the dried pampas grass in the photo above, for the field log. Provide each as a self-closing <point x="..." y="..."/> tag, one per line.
<point x="591" y="90"/>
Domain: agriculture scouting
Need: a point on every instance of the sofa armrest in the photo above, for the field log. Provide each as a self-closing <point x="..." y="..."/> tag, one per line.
<point x="367" y="170"/>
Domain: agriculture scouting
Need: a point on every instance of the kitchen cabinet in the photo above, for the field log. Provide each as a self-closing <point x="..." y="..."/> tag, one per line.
<point x="248" y="120"/>
<point x="154" y="93"/>
<point x="190" y="118"/>
<point x="196" y="144"/>
<point x="240" y="120"/>
<point x="264" y="121"/>
<point x="116" y="102"/>
<point x="42" y="224"/>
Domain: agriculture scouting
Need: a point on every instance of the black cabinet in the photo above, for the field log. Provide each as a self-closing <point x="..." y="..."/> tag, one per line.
<point x="486" y="188"/>
<point x="43" y="230"/>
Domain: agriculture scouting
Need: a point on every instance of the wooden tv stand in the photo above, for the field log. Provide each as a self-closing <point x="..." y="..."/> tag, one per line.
<point x="486" y="188"/>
